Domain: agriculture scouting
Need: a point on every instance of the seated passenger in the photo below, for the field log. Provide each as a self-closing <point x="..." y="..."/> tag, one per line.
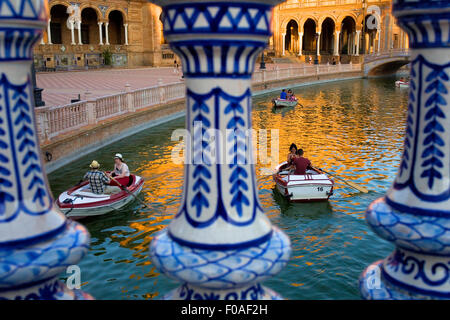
<point x="289" y="94"/>
<point x="292" y="153"/>
<point x="283" y="95"/>
<point x="121" y="169"/>
<point x="301" y="164"/>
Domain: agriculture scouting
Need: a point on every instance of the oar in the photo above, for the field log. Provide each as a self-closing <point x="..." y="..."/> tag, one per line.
<point x="349" y="183"/>
<point x="130" y="193"/>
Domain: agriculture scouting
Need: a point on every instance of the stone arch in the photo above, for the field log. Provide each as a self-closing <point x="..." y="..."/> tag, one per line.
<point x="55" y="3"/>
<point x="292" y="38"/>
<point x="348" y="31"/>
<point x="309" y="35"/>
<point x="59" y="32"/>
<point x="286" y="21"/>
<point x="323" y="18"/>
<point x="116" y="22"/>
<point x="124" y="14"/>
<point x="306" y="18"/>
<point x="370" y="35"/>
<point x="345" y="15"/>
<point x="328" y="26"/>
<point x="89" y="25"/>
<point x="99" y="12"/>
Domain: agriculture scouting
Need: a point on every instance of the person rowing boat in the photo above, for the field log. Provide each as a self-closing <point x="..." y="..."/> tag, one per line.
<point x="301" y="163"/>
<point x="99" y="181"/>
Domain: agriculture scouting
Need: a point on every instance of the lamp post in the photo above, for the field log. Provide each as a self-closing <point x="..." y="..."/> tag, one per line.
<point x="262" y="65"/>
<point x="220" y="245"/>
<point x="38" y="102"/>
<point x="364" y="5"/>
<point x="415" y="213"/>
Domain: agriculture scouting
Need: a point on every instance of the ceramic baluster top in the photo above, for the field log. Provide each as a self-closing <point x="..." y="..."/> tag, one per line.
<point x="218" y="43"/>
<point x="37" y="243"/>
<point x="220" y="244"/>
<point x="415" y="214"/>
<point x="423" y="183"/>
<point x="24" y="195"/>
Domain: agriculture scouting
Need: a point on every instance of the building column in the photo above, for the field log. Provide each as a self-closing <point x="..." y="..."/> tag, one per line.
<point x="349" y="44"/>
<point x="100" y="32"/>
<point x="283" y="41"/>
<point x="79" y="32"/>
<point x="336" y="43"/>
<point x="126" y="33"/>
<point x="318" y="43"/>
<point x="107" y="33"/>
<point x="72" y="32"/>
<point x="379" y="40"/>
<point x="49" y="32"/>
<point x="300" y="43"/>
<point x="358" y="39"/>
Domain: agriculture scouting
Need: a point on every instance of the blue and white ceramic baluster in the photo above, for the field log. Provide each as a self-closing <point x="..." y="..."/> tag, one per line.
<point x="37" y="243"/>
<point x="220" y="245"/>
<point x="415" y="213"/>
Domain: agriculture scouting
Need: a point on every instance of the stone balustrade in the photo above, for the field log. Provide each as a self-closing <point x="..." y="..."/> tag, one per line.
<point x="388" y="54"/>
<point x="58" y="120"/>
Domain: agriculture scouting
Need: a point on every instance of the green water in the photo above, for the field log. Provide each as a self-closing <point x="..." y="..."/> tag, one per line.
<point x="353" y="128"/>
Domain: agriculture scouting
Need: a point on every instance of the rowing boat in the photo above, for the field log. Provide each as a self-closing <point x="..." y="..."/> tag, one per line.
<point x="313" y="186"/>
<point x="79" y="201"/>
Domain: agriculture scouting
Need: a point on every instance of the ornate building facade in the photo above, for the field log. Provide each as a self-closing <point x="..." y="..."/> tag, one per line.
<point x="87" y="34"/>
<point x="128" y="33"/>
<point x="340" y="30"/>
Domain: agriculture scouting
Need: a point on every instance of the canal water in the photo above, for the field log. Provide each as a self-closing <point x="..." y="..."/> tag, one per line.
<point x="353" y="128"/>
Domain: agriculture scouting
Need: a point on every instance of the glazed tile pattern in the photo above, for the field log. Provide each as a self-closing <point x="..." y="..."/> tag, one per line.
<point x="36" y="242"/>
<point x="215" y="17"/>
<point x="415" y="213"/>
<point x="220" y="245"/>
<point x="221" y="269"/>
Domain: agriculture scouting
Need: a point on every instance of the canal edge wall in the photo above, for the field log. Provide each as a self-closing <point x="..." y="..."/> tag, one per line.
<point x="74" y="145"/>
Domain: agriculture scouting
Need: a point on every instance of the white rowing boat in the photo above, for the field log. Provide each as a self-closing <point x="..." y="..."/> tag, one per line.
<point x="314" y="186"/>
<point x="402" y="84"/>
<point x="79" y="202"/>
<point x="279" y="103"/>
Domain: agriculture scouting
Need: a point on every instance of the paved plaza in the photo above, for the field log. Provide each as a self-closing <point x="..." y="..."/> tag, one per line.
<point x="61" y="87"/>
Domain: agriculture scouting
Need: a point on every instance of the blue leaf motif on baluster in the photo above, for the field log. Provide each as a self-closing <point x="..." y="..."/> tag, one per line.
<point x="202" y="162"/>
<point x="199" y="201"/>
<point x="238" y="152"/>
<point x="409" y="127"/>
<point x="4" y="171"/>
<point x="25" y="136"/>
<point x="432" y="155"/>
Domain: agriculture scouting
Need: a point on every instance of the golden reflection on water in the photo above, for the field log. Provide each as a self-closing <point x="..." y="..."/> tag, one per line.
<point x="353" y="128"/>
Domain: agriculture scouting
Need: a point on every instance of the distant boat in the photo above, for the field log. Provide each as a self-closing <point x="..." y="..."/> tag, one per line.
<point x="79" y="202"/>
<point x="279" y="103"/>
<point x="314" y="186"/>
<point x="402" y="84"/>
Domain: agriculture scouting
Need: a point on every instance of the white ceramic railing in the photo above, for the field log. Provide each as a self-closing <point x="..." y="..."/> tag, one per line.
<point x="387" y="54"/>
<point x="54" y="121"/>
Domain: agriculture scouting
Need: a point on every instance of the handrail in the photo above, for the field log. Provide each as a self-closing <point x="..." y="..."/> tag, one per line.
<point x="56" y="120"/>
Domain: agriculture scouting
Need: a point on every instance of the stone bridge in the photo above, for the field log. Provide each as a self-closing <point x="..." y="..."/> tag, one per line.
<point x="386" y="62"/>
